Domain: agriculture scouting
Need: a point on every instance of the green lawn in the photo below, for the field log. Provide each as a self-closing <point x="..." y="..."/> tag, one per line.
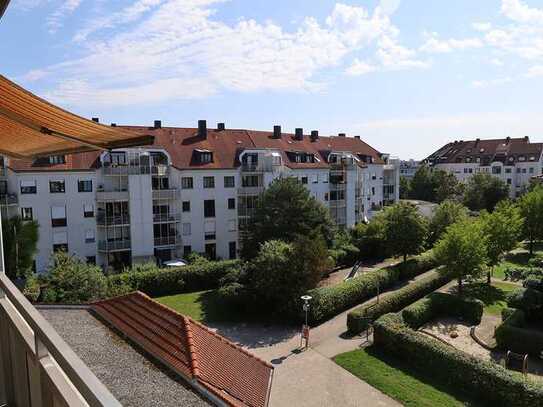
<point x="203" y="306"/>
<point x="493" y="297"/>
<point x="517" y="259"/>
<point x="398" y="380"/>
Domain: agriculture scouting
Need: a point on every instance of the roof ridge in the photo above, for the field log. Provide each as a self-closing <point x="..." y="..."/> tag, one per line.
<point x="192" y="349"/>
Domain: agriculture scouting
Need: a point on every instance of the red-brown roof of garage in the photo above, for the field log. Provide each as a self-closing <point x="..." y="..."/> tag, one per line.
<point x="190" y="349"/>
<point x="180" y="143"/>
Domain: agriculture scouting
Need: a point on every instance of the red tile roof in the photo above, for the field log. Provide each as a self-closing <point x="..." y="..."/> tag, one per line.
<point x="189" y="348"/>
<point x="226" y="145"/>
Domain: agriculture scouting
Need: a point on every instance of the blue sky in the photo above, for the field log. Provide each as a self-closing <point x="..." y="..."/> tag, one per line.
<point x="406" y="75"/>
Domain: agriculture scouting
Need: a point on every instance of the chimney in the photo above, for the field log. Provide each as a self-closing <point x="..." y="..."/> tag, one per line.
<point x="113" y="124"/>
<point x="507" y="140"/>
<point x="341" y="134"/>
<point x="221" y="126"/>
<point x="202" y="128"/>
<point x="276" y="131"/>
<point x="526" y="139"/>
<point x="96" y="119"/>
<point x="357" y="137"/>
<point x="314" y="135"/>
<point x="158" y="124"/>
<point x="299" y="134"/>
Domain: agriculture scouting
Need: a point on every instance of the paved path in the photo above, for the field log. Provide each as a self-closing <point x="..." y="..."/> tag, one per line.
<point x="310" y="378"/>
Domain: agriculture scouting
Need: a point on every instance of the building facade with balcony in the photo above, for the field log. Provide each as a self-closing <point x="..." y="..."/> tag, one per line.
<point x="192" y="190"/>
<point x="514" y="160"/>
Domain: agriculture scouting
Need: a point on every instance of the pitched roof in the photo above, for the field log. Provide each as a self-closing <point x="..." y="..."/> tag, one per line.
<point x="189" y="348"/>
<point x="226" y="145"/>
<point x="506" y="150"/>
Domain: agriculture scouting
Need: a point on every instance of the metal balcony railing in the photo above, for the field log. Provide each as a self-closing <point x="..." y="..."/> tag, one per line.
<point x="165" y="194"/>
<point x="3" y="172"/>
<point x="114" y="220"/>
<point x="103" y="196"/>
<point x="340" y="203"/>
<point x="114" y="245"/>
<point x="250" y="190"/>
<point x="250" y="167"/>
<point x="167" y="241"/>
<point x="166" y="217"/>
<point x="125" y="169"/>
<point x="160" y="170"/>
<point x="8" y="200"/>
<point x="39" y="368"/>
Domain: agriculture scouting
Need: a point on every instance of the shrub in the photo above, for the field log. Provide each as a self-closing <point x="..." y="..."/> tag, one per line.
<point x="484" y="379"/>
<point x="32" y="288"/>
<point x="329" y="301"/>
<point x="510" y="335"/>
<point x="168" y="281"/>
<point x="526" y="299"/>
<point x="439" y="303"/>
<point x="359" y="319"/>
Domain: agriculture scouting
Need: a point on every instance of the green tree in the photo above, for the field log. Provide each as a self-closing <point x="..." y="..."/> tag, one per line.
<point x="447" y="213"/>
<point x="285" y="211"/>
<point x="484" y="191"/>
<point x="502" y="229"/>
<point x="462" y="250"/>
<point x="343" y="250"/>
<point x="422" y="186"/>
<point x="405" y="229"/>
<point x="405" y="188"/>
<point x="20" y="245"/>
<point x="370" y="238"/>
<point x="531" y="210"/>
<point x="282" y="272"/>
<point x="445" y="186"/>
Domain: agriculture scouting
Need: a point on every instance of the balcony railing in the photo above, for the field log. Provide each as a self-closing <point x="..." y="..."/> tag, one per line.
<point x="103" y="196"/>
<point x="250" y="167"/>
<point x="103" y="220"/>
<point x="114" y="245"/>
<point x="166" y="217"/>
<point x="3" y="172"/>
<point x="8" y="200"/>
<point x="39" y="368"/>
<point x="167" y="241"/>
<point x="250" y="190"/>
<point x="160" y="170"/>
<point x="125" y="169"/>
<point x="340" y="203"/>
<point x="165" y="194"/>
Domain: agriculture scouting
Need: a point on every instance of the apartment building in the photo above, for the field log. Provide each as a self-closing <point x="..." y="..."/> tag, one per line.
<point x="514" y="160"/>
<point x="192" y="190"/>
<point x="408" y="168"/>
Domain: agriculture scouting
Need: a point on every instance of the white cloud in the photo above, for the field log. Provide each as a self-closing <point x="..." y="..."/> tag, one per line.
<point x="482" y="26"/>
<point x="492" y="82"/>
<point x="176" y="47"/>
<point x="359" y="67"/>
<point x="519" y="11"/>
<point x="55" y="20"/>
<point x="496" y="62"/>
<point x="535" y="71"/>
<point x="435" y="45"/>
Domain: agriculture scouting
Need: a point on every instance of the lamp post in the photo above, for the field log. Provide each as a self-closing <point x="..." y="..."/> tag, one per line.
<point x="305" y="328"/>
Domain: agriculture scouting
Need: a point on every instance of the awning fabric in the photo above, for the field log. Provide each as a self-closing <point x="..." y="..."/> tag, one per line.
<point x="31" y="126"/>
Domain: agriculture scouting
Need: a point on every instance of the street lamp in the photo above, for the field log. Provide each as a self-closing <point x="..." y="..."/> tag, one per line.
<point x="305" y="328"/>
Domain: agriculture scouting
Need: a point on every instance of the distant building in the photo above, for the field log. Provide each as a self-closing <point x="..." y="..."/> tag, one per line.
<point x="408" y="168"/>
<point x="514" y="160"/>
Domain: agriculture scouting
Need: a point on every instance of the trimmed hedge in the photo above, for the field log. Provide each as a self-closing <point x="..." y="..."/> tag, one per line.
<point x="438" y="303"/>
<point x="359" y="319"/>
<point x="168" y="281"/>
<point x="329" y="301"/>
<point x="483" y="379"/>
<point x="526" y="299"/>
<point x="510" y="335"/>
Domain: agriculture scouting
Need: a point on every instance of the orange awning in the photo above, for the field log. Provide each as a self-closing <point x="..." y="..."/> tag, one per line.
<point x="31" y="126"/>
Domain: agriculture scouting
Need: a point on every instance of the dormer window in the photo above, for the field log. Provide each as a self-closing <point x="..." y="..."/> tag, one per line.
<point x="532" y="158"/>
<point x="482" y="150"/>
<point x="468" y="159"/>
<point x="521" y="158"/>
<point x="57" y="159"/>
<point x="511" y="159"/>
<point x="301" y="157"/>
<point x="204" y="156"/>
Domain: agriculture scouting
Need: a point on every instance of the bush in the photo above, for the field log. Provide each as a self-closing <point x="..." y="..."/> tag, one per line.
<point x="483" y="379"/>
<point x="329" y="301"/>
<point x="32" y="288"/>
<point x="436" y="304"/>
<point x="526" y="299"/>
<point x="510" y="335"/>
<point x="359" y="319"/>
<point x="169" y="281"/>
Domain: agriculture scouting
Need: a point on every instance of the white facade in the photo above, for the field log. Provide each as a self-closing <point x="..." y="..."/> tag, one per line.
<point x="137" y="209"/>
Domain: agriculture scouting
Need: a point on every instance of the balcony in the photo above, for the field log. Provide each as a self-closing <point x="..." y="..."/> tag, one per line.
<point x="340" y="203"/>
<point x="8" y="200"/>
<point x="251" y="167"/>
<point x="160" y="170"/>
<point x="114" y="220"/>
<point x="250" y="190"/>
<point x="125" y="170"/>
<point x="166" y="217"/>
<point x="39" y="368"/>
<point x="3" y="172"/>
<point x="167" y="241"/>
<point x="170" y="194"/>
<point x="104" y="196"/>
<point x="114" y="245"/>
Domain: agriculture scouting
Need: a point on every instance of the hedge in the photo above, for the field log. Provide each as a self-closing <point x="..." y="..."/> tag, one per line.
<point x="483" y="379"/>
<point x="526" y="299"/>
<point x="510" y="335"/>
<point x="359" y="319"/>
<point x="168" y="281"/>
<point x="437" y="304"/>
<point x="329" y="301"/>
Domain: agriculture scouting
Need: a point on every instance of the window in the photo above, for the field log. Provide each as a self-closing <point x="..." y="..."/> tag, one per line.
<point x="373" y="190"/>
<point x="57" y="187"/>
<point x="160" y="183"/>
<point x="231" y="203"/>
<point x="206" y="157"/>
<point x="91" y="260"/>
<point x="58" y="216"/>
<point x="232" y="250"/>
<point x="509" y="181"/>
<point x="186" y="229"/>
<point x="518" y="170"/>
<point x="57" y="159"/>
<point x="229" y="182"/>
<point x="186" y="206"/>
<point x="304" y="180"/>
<point x="232" y="225"/>
<point x="524" y="170"/>
<point x="337" y="195"/>
<point x="26" y="214"/>
<point x="209" y="208"/>
<point x="88" y="211"/>
<point x="508" y="170"/>
<point x="210" y="236"/>
<point x="187" y="183"/>
<point x="211" y="251"/>
<point x="250" y="181"/>
<point x="84" y="186"/>
<point x="60" y="241"/>
<point x="496" y="170"/>
<point x="326" y="196"/>
<point x="187" y="250"/>
<point x="209" y="182"/>
<point x="373" y="177"/>
<point x="28" y="187"/>
<point x="531" y="170"/>
<point x="89" y="236"/>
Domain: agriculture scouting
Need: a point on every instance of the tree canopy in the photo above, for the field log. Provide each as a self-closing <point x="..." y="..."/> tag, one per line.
<point x="531" y="209"/>
<point x="405" y="229"/>
<point x="447" y="213"/>
<point x="20" y="244"/>
<point x="433" y="185"/>
<point x="484" y="191"/>
<point x="285" y="211"/>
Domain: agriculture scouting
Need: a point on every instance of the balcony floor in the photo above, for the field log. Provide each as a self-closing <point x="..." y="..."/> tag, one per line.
<point x="131" y="378"/>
